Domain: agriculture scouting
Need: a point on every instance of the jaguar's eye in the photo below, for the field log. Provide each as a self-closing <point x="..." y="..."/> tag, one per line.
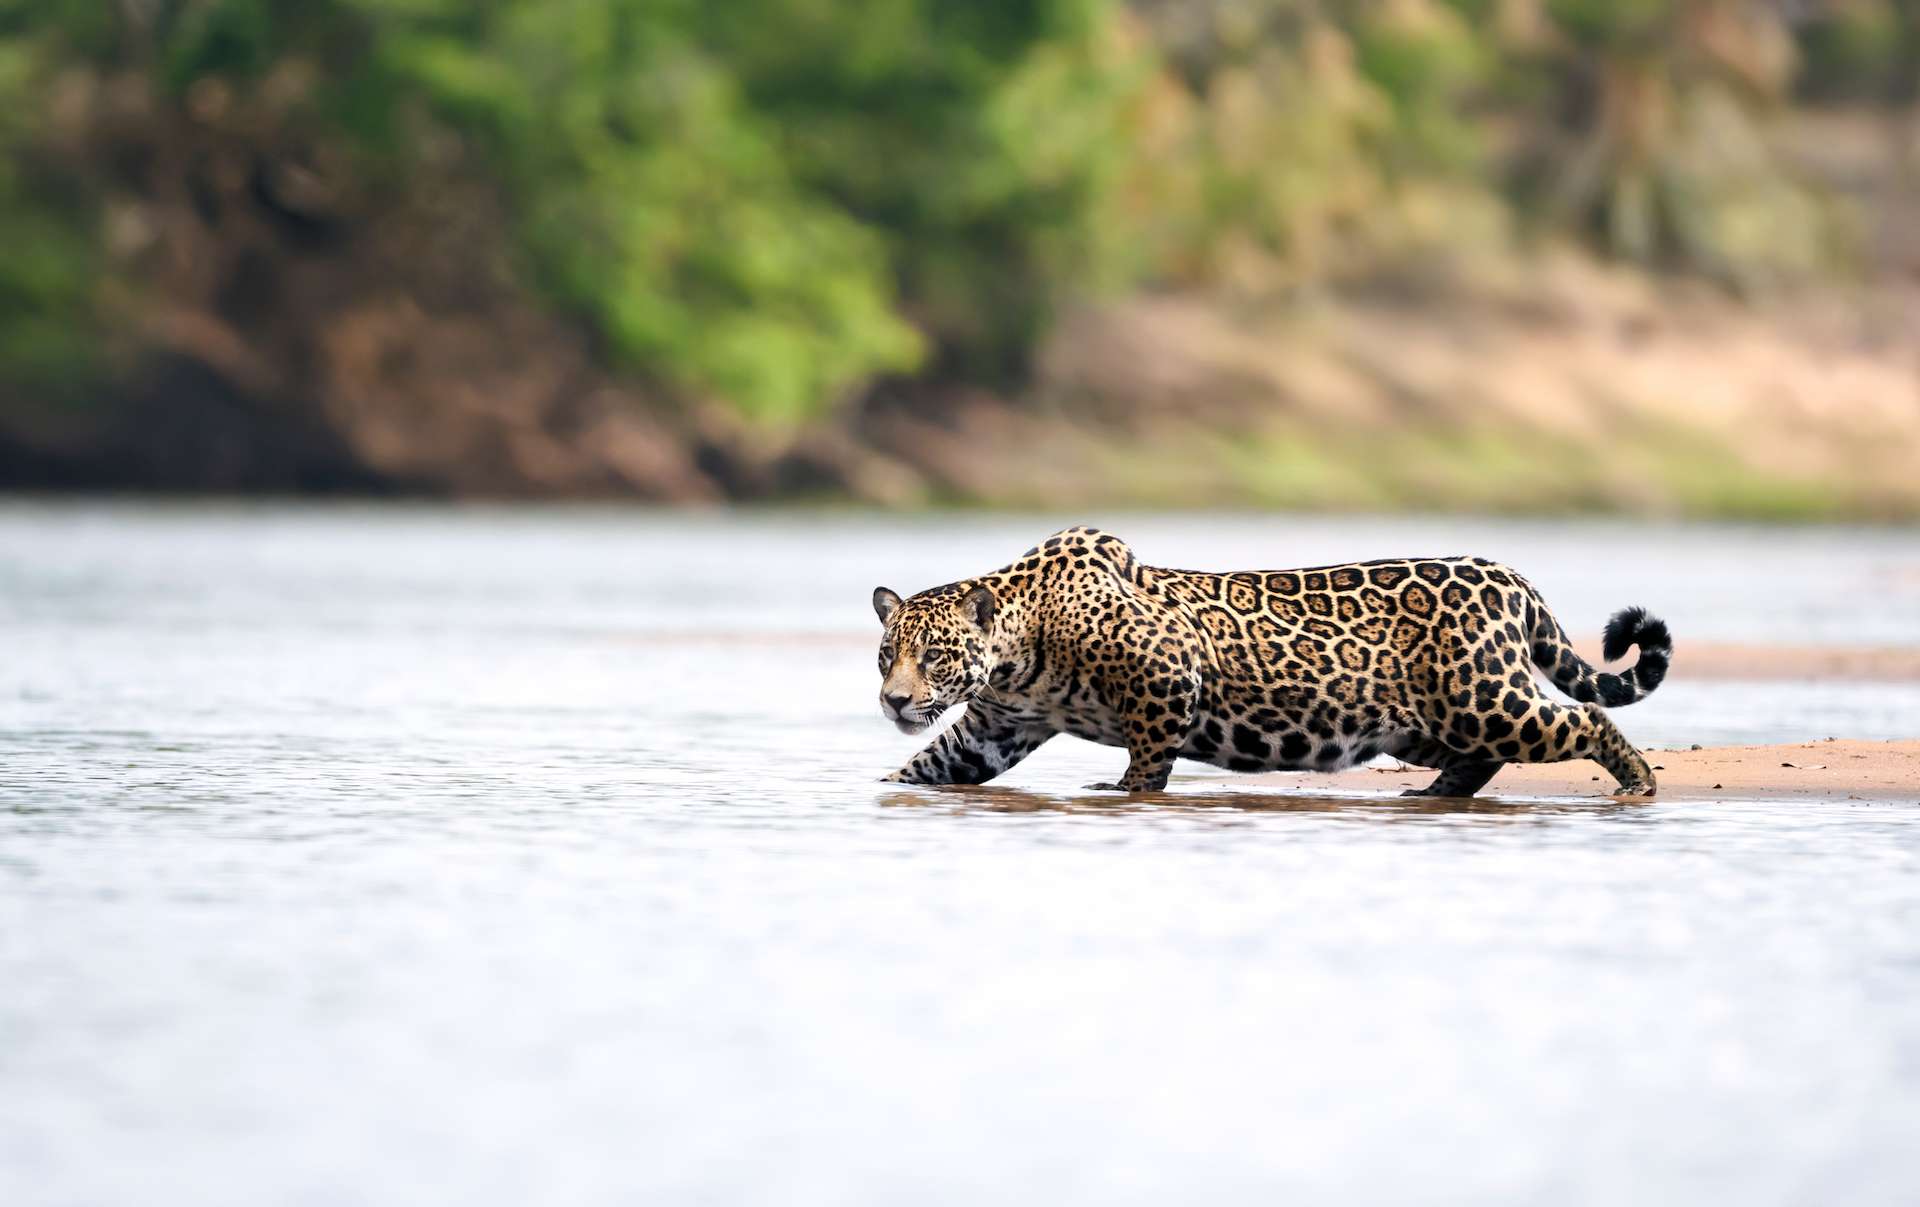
<point x="931" y="659"/>
<point x="886" y="658"/>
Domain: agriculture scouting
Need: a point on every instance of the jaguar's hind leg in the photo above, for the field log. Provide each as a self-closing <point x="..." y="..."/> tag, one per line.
<point x="1611" y="750"/>
<point x="1460" y="774"/>
<point x="1539" y="731"/>
<point x="1462" y="777"/>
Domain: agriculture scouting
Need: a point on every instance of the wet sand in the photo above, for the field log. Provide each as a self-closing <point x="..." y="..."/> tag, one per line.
<point x="1842" y="768"/>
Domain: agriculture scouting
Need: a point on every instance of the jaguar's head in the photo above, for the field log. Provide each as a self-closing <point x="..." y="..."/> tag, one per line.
<point x="933" y="653"/>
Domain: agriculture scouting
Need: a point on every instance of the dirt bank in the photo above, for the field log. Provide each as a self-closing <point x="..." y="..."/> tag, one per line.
<point x="1833" y="769"/>
<point x="1564" y="387"/>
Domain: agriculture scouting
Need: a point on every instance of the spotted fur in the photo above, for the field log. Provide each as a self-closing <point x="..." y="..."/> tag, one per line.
<point x="1430" y="660"/>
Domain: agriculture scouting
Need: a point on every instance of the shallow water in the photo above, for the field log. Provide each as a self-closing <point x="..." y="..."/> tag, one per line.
<point x="491" y="855"/>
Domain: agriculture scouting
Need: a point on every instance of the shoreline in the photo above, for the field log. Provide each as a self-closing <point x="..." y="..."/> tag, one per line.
<point x="1834" y="769"/>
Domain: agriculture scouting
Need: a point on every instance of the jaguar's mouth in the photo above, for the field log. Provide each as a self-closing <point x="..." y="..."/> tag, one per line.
<point x="913" y="721"/>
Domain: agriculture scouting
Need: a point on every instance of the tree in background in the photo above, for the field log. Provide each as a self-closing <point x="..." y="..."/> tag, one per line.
<point x="48" y="223"/>
<point x="776" y="200"/>
<point x="776" y="204"/>
<point x="769" y="201"/>
<point x="1655" y="138"/>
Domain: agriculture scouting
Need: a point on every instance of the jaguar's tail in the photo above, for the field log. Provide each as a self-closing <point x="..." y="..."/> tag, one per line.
<point x="1577" y="677"/>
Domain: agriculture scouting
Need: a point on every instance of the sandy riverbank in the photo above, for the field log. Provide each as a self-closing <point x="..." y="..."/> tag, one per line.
<point x="1833" y="769"/>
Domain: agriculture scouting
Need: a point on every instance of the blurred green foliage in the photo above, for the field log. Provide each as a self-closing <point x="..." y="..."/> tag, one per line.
<point x="48" y="271"/>
<point x="778" y="202"/>
<point x="754" y="197"/>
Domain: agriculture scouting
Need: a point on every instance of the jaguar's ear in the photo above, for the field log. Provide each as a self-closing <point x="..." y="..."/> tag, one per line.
<point x="884" y="602"/>
<point x="978" y="606"/>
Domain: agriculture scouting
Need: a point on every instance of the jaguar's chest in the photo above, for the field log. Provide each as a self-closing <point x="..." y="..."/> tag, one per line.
<point x="1065" y="703"/>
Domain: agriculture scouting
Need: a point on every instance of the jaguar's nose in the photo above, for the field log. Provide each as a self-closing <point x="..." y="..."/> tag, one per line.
<point x="893" y="706"/>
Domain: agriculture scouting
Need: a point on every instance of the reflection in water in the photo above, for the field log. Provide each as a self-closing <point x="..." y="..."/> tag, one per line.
<point x="998" y="798"/>
<point x="368" y="848"/>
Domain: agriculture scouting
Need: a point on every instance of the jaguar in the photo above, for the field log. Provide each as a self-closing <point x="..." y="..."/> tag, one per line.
<point x="1428" y="660"/>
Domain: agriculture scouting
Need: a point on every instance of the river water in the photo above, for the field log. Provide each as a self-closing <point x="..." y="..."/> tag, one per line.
<point x="496" y="855"/>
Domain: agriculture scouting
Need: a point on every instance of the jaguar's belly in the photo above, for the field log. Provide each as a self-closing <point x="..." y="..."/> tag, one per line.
<point x="1255" y="742"/>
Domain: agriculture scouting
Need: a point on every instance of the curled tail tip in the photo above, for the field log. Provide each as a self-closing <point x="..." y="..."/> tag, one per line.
<point x="1631" y="627"/>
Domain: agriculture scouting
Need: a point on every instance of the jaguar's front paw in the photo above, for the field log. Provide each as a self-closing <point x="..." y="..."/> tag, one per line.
<point x="1104" y="788"/>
